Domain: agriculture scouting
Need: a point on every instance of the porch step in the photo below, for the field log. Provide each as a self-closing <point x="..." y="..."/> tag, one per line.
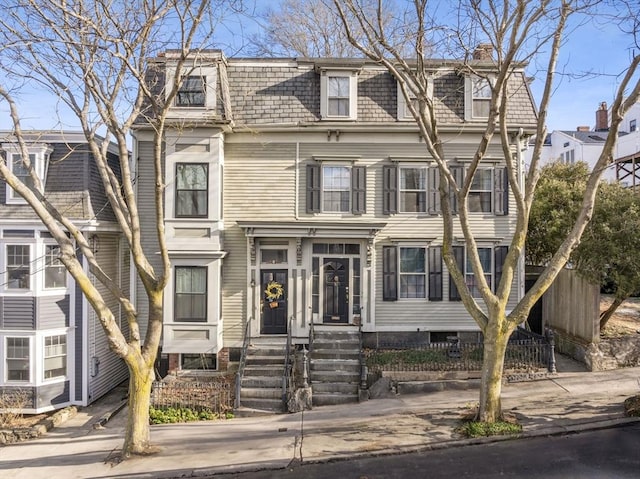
<point x="335" y="366"/>
<point x="261" y="386"/>
<point x="349" y="365"/>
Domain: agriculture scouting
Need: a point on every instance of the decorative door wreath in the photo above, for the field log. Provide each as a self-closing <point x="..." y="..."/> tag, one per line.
<point x="273" y="292"/>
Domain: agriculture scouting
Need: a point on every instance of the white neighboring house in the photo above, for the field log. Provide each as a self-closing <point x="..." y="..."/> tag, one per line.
<point x="585" y="144"/>
<point x="627" y="155"/>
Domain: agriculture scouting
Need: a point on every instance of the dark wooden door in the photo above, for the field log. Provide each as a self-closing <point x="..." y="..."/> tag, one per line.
<point x="274" y="301"/>
<point x="336" y="290"/>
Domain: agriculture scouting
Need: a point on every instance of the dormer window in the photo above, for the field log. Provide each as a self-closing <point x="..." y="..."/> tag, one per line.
<point x="477" y="97"/>
<point x="339" y="94"/>
<point x="197" y="88"/>
<point x="38" y="158"/>
<point x="192" y="92"/>
<point x="404" y="113"/>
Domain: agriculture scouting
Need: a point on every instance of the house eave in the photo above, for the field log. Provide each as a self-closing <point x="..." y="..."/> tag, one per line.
<point x="310" y="229"/>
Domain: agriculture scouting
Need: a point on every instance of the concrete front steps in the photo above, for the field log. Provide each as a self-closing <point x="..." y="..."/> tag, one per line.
<point x="261" y="387"/>
<point x="335" y="365"/>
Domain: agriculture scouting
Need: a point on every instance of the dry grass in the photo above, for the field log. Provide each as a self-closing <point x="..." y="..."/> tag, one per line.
<point x="625" y="321"/>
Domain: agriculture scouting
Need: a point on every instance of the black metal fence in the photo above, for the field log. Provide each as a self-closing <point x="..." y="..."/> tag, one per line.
<point x="212" y="396"/>
<point x="526" y="351"/>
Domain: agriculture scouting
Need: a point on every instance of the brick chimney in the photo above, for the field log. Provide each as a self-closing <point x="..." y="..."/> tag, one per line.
<point x="602" y="117"/>
<point x="484" y="51"/>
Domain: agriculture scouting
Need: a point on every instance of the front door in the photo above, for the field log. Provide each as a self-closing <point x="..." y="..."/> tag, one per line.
<point x="336" y="290"/>
<point x="274" y="301"/>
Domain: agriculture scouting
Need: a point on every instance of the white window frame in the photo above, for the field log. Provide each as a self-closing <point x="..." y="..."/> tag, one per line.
<point x="64" y="355"/>
<point x="352" y="75"/>
<point x="325" y="190"/>
<point x="29" y="359"/>
<point x="5" y="252"/>
<point x="424" y="273"/>
<point x="470" y="98"/>
<point x="404" y="114"/>
<point x="56" y="263"/>
<point x="481" y="191"/>
<point x="633" y="125"/>
<point x="425" y="190"/>
<point x="39" y="157"/>
<point x="208" y="72"/>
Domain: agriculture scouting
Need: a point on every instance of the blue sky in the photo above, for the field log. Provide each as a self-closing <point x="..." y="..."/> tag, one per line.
<point x="589" y="70"/>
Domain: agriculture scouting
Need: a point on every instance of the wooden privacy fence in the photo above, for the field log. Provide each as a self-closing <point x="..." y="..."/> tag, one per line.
<point x="525" y="351"/>
<point x="213" y="396"/>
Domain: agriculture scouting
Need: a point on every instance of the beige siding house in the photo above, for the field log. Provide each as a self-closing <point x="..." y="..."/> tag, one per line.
<point x="321" y="202"/>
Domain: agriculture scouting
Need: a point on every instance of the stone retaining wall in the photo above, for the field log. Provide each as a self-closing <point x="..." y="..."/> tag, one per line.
<point x="607" y="354"/>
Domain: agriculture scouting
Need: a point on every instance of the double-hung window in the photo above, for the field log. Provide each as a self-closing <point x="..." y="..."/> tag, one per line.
<point x="491" y="260"/>
<point x="411" y="272"/>
<point x="338" y="94"/>
<point x="18" y="266"/>
<point x="18" y="353"/>
<point x="410" y="189"/>
<point x="190" y="294"/>
<point x="404" y="112"/>
<point x="55" y="356"/>
<point x="55" y="273"/>
<point x="480" y="198"/>
<point x="336" y="188"/>
<point x="192" y="92"/>
<point x="413" y="190"/>
<point x="192" y="195"/>
<point x="477" y="97"/>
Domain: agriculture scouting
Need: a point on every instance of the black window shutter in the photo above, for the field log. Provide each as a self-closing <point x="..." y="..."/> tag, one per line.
<point x="389" y="273"/>
<point x="358" y="190"/>
<point x="501" y="191"/>
<point x="500" y="254"/>
<point x="389" y="190"/>
<point x="458" y="253"/>
<point x="458" y="175"/>
<point x="314" y="188"/>
<point x="434" y="190"/>
<point x="435" y="273"/>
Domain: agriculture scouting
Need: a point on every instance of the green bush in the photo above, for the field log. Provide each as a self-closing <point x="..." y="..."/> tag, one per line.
<point x="172" y="415"/>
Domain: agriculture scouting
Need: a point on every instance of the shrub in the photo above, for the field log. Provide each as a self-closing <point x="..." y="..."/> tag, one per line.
<point x="12" y="403"/>
<point x="172" y="415"/>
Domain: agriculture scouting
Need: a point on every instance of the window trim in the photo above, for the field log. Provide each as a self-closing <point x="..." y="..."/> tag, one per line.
<point x="177" y="190"/>
<point x="469" y="97"/>
<point x="424" y="170"/>
<point x="205" y="294"/>
<point x="424" y="274"/>
<point x="315" y="191"/>
<point x="498" y="254"/>
<point x="39" y="162"/>
<point x="391" y="272"/>
<point x="325" y="75"/>
<point x="403" y="113"/>
<point x="55" y="264"/>
<point x="28" y="360"/>
<point x="208" y="71"/>
<point x="65" y="355"/>
<point x="480" y="192"/>
<point x="8" y="281"/>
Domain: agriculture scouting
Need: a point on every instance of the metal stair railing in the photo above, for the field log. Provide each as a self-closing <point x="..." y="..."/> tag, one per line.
<point x="243" y="361"/>
<point x="287" y="372"/>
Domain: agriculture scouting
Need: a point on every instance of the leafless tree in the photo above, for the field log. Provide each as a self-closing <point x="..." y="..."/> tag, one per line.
<point x="517" y="31"/>
<point x="313" y="29"/>
<point x="93" y="55"/>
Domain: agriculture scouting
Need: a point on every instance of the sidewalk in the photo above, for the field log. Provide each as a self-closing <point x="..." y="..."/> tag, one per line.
<point x="572" y="401"/>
